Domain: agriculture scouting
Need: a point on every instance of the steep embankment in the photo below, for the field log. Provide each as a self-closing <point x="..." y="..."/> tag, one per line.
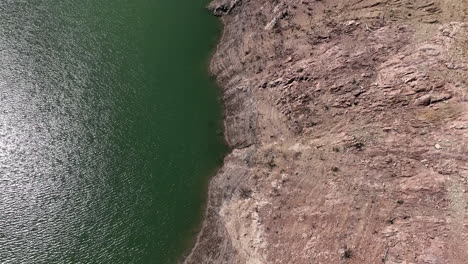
<point x="349" y="127"/>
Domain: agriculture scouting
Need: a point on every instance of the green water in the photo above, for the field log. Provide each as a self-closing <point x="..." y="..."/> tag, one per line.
<point x="109" y="129"/>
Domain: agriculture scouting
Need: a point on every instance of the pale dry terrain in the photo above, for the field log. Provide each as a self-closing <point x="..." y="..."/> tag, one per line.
<point x="348" y="122"/>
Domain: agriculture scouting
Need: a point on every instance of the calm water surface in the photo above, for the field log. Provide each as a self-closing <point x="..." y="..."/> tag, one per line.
<point x="109" y="129"/>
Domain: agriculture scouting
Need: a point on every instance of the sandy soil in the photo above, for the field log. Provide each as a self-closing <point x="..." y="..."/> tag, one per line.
<point x="349" y="127"/>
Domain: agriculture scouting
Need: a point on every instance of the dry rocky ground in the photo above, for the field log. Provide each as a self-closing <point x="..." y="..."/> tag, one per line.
<point x="348" y="122"/>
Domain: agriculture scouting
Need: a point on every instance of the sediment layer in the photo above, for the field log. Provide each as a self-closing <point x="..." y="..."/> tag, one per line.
<point x="349" y="127"/>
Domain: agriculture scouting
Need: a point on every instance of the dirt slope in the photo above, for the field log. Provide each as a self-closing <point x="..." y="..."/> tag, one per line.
<point x="348" y="121"/>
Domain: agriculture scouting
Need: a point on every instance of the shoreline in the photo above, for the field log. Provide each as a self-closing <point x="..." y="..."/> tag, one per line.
<point x="194" y="239"/>
<point x="345" y="124"/>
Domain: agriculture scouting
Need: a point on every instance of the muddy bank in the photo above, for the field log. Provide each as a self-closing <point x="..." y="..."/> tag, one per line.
<point x="348" y="122"/>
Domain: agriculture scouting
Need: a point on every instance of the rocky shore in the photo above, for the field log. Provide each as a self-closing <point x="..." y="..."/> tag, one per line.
<point x="348" y="123"/>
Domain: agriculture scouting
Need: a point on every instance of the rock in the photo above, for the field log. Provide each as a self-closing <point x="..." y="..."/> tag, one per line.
<point x="222" y="7"/>
<point x="410" y="79"/>
<point x="271" y="24"/>
<point x="419" y="89"/>
<point x="437" y="146"/>
<point x="440" y="97"/>
<point x="424" y="100"/>
<point x="428" y="99"/>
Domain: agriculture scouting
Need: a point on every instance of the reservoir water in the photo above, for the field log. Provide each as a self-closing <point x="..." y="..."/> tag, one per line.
<point x="109" y="129"/>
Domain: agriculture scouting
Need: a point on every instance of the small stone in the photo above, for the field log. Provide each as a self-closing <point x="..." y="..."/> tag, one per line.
<point x="301" y="218"/>
<point x="437" y="146"/>
<point x="424" y="100"/>
<point x="351" y="23"/>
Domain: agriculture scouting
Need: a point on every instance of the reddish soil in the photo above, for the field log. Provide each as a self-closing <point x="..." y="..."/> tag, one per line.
<point x="348" y="121"/>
